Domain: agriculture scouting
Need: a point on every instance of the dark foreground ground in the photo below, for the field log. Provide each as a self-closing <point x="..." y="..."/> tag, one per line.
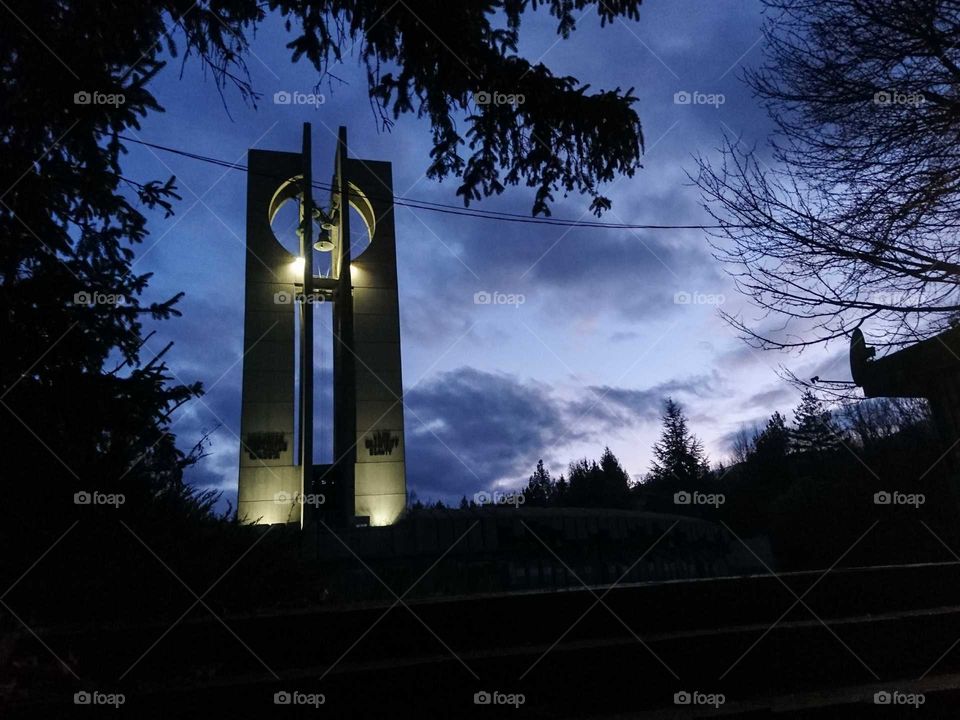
<point x="851" y="634"/>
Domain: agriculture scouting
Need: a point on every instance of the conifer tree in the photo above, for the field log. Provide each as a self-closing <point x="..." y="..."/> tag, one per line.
<point x="679" y="458"/>
<point x="814" y="429"/>
<point x="539" y="490"/>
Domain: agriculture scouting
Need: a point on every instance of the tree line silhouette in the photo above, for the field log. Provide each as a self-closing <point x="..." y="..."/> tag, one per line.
<point x="807" y="484"/>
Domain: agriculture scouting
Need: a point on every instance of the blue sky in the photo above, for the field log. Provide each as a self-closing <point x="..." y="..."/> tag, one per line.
<point x="599" y="339"/>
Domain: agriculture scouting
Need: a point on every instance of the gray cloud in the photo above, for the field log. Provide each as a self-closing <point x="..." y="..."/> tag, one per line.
<point x="617" y="407"/>
<point x="467" y="428"/>
<point x="773" y="398"/>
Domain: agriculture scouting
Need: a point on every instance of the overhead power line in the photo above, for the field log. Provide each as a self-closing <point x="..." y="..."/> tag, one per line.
<point x="443" y="208"/>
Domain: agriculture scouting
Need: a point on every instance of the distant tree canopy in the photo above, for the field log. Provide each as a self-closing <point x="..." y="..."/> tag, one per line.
<point x="811" y="491"/>
<point x="814" y="431"/>
<point x="540" y="488"/>
<point x="874" y="423"/>
<point x="603" y="484"/>
<point x="680" y="464"/>
<point x="773" y="442"/>
<point x="854" y="217"/>
<point x="808" y="486"/>
<point x="679" y="458"/>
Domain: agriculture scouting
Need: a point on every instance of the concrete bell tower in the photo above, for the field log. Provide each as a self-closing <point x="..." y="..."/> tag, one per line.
<point x="278" y="480"/>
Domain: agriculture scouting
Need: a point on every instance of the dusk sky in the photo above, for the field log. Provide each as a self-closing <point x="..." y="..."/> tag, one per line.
<point x="599" y="339"/>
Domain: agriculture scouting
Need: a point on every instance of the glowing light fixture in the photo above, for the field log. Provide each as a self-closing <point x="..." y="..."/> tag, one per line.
<point x="298" y="265"/>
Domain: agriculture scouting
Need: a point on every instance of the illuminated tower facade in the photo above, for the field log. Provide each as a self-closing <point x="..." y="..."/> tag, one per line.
<point x="278" y="480"/>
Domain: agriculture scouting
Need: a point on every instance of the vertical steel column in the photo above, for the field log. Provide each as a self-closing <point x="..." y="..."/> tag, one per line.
<point x="306" y="326"/>
<point x="345" y="430"/>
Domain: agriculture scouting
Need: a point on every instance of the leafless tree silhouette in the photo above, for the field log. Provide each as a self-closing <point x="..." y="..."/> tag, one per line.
<point x="852" y="215"/>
